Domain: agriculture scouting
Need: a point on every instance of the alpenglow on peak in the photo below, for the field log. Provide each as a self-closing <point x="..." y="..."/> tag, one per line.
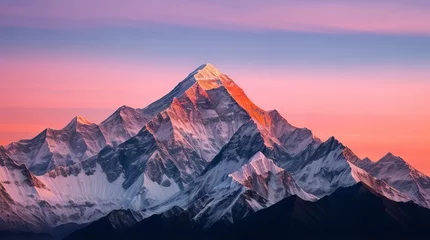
<point x="206" y="72"/>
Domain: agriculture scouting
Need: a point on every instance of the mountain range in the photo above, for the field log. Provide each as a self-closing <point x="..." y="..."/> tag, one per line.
<point x="201" y="161"/>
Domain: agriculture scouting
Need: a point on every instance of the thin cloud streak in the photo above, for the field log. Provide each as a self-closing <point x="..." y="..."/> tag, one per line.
<point x="387" y="17"/>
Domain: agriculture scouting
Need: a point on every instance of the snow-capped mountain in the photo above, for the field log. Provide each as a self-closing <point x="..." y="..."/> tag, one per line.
<point x="77" y="141"/>
<point x="268" y="180"/>
<point x="170" y="150"/>
<point x="204" y="148"/>
<point x="402" y="176"/>
<point x="123" y="124"/>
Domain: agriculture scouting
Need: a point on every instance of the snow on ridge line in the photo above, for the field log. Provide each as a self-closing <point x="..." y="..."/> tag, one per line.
<point x="259" y="164"/>
<point x="271" y="182"/>
<point x="92" y="193"/>
<point x="377" y="185"/>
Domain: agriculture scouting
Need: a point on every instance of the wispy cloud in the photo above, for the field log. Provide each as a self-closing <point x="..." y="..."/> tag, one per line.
<point x="378" y="16"/>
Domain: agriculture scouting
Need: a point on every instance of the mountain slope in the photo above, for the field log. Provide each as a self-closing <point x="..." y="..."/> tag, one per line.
<point x="256" y="185"/>
<point x="180" y="140"/>
<point x="19" y="189"/>
<point x="268" y="180"/>
<point x="328" y="168"/>
<point x="77" y="141"/>
<point x="123" y="124"/>
<point x="399" y="174"/>
<point x="355" y="212"/>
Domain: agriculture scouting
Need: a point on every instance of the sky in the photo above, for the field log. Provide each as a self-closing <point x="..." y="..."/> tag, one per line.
<point x="356" y="70"/>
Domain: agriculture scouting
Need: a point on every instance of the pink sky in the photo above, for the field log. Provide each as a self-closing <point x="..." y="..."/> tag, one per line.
<point x="372" y="112"/>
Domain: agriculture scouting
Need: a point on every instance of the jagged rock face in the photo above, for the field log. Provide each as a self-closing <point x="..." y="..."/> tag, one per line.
<point x="325" y="170"/>
<point x="77" y="141"/>
<point x="236" y="183"/>
<point x="19" y="189"/>
<point x="268" y="180"/>
<point x="180" y="141"/>
<point x="378" y="186"/>
<point x="402" y="176"/>
<point x="123" y="124"/>
<point x="255" y="186"/>
<point x="204" y="147"/>
<point x="355" y="212"/>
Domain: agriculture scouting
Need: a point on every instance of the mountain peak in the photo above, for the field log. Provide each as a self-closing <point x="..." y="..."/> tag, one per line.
<point x="208" y="67"/>
<point x="207" y="77"/>
<point x="82" y="120"/>
<point x="76" y="121"/>
<point x="332" y="141"/>
<point x="390" y="157"/>
<point x="259" y="164"/>
<point x="124" y="107"/>
<point x="207" y="72"/>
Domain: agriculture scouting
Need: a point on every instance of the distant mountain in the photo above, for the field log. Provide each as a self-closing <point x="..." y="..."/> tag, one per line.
<point x="402" y="176"/>
<point x="123" y="124"/>
<point x="78" y="141"/>
<point x="203" y="151"/>
<point x="355" y="212"/>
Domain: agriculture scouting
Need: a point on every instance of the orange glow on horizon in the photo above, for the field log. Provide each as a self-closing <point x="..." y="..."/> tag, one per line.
<point x="365" y="111"/>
